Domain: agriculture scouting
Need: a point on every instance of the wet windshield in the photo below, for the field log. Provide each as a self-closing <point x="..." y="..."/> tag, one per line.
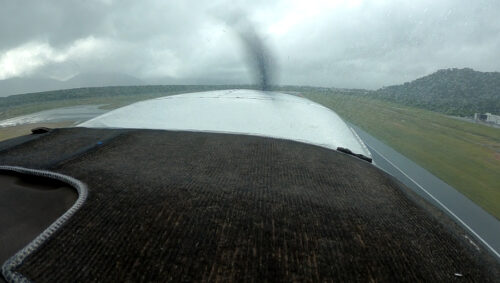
<point x="416" y="82"/>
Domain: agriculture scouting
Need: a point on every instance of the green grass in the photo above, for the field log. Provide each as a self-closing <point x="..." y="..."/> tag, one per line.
<point x="464" y="155"/>
<point x="21" y="130"/>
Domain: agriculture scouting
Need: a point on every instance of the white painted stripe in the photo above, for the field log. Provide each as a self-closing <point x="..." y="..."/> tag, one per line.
<point x="440" y="203"/>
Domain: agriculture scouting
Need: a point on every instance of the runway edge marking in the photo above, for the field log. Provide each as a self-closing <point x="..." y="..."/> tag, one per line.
<point x="440" y="203"/>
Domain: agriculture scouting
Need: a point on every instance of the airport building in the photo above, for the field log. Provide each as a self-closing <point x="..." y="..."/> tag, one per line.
<point x="487" y="117"/>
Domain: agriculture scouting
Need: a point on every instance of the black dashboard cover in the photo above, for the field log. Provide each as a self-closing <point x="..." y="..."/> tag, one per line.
<point x="184" y="206"/>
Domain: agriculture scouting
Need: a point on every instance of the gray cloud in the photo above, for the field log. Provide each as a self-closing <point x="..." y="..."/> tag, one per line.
<point x="58" y="22"/>
<point x="359" y="44"/>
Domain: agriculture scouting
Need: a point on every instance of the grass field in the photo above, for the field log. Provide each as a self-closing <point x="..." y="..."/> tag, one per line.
<point x="464" y="155"/>
<point x="21" y="130"/>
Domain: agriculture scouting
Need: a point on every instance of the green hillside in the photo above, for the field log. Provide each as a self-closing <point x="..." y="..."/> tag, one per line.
<point x="460" y="92"/>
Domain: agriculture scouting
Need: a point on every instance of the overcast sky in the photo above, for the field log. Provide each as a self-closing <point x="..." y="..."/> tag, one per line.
<point x="351" y="44"/>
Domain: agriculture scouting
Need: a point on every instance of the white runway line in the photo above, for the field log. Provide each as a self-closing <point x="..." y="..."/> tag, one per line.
<point x="440" y="203"/>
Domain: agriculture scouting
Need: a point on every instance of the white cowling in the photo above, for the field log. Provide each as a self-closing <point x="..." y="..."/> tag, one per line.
<point x="250" y="112"/>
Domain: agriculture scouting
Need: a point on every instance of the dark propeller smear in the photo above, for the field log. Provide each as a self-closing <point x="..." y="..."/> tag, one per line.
<point x="259" y="57"/>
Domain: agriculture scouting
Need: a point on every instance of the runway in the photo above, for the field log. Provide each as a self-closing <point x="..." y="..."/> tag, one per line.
<point x="484" y="227"/>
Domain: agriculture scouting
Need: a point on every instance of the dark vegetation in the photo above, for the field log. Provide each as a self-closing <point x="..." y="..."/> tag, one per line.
<point x="460" y="92"/>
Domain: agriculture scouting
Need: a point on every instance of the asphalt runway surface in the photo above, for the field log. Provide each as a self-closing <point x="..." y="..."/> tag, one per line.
<point x="77" y="113"/>
<point x="484" y="228"/>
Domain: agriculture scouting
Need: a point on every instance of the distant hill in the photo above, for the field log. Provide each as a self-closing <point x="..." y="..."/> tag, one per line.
<point x="101" y="79"/>
<point x="28" y="85"/>
<point x="459" y="92"/>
